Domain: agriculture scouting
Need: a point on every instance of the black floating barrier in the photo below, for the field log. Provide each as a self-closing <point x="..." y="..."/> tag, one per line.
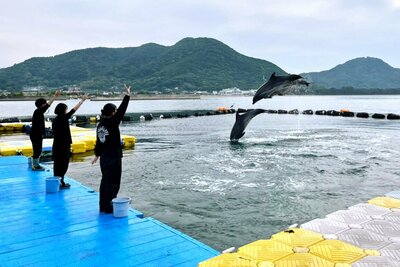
<point x="392" y="116"/>
<point x="362" y="115"/>
<point x="347" y="114"/>
<point x="80" y="118"/>
<point x="126" y="118"/>
<point x="166" y="116"/>
<point x="294" y="111"/>
<point x="182" y="115"/>
<point x="320" y="112"/>
<point x="378" y="116"/>
<point x="12" y="119"/>
<point x="146" y="117"/>
<point x="281" y="111"/>
<point x="272" y="111"/>
<point x="308" y="112"/>
<point x="332" y="113"/>
<point x="25" y="119"/>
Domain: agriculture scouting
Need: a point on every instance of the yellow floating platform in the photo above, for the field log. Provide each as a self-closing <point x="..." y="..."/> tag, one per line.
<point x="83" y="140"/>
<point x="366" y="234"/>
<point x="12" y="127"/>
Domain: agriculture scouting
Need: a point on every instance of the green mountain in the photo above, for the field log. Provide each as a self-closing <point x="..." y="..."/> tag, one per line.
<point x="360" y="73"/>
<point x="191" y="64"/>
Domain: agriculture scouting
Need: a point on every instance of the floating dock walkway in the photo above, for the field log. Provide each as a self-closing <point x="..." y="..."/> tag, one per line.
<point x="83" y="140"/>
<point x="364" y="235"/>
<point x="66" y="228"/>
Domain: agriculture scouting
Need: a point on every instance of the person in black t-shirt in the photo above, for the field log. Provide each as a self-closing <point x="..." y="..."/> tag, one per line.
<point x="109" y="149"/>
<point x="37" y="130"/>
<point x="62" y="140"/>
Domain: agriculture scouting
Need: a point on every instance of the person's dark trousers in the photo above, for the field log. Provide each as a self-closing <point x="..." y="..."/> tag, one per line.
<point x="110" y="182"/>
<point x="61" y="157"/>
<point x="37" y="144"/>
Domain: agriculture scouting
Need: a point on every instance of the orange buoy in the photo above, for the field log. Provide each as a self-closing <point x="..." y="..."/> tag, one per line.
<point x="222" y="109"/>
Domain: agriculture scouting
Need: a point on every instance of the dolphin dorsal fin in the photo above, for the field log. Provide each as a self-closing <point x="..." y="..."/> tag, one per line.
<point x="272" y="75"/>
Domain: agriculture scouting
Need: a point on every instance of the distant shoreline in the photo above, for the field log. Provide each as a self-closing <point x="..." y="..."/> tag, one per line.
<point x="148" y="97"/>
<point x="103" y="98"/>
<point x="160" y="97"/>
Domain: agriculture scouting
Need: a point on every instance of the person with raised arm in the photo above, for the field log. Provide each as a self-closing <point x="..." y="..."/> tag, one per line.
<point x="63" y="140"/>
<point x="38" y="127"/>
<point x="109" y="150"/>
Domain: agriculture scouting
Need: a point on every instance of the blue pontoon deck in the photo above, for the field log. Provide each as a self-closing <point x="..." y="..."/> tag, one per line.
<point x="66" y="228"/>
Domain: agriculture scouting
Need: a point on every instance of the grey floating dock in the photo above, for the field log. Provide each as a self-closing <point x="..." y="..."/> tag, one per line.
<point x="66" y="228"/>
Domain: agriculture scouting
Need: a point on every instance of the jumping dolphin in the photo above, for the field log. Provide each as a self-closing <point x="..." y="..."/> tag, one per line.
<point x="242" y="121"/>
<point x="278" y="85"/>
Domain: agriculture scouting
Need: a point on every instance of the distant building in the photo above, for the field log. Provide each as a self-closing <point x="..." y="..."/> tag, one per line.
<point x="73" y="90"/>
<point x="4" y="93"/>
<point x="231" y="91"/>
<point x="200" y="92"/>
<point x="32" y="90"/>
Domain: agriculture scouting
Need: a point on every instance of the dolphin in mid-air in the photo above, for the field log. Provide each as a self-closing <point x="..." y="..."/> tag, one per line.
<point x="278" y="85"/>
<point x="242" y="121"/>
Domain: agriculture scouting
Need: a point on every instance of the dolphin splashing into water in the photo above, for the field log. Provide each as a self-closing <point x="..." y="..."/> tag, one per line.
<point x="242" y="121"/>
<point x="278" y="85"/>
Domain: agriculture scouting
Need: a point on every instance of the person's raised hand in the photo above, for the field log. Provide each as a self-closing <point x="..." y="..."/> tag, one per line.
<point x="84" y="97"/>
<point x="127" y="89"/>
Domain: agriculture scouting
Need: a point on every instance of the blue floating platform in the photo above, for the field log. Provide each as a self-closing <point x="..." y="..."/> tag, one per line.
<point x="66" y="228"/>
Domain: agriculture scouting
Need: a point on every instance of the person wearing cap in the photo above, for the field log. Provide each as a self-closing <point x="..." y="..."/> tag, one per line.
<point x="62" y="140"/>
<point x="37" y="130"/>
<point x="109" y="150"/>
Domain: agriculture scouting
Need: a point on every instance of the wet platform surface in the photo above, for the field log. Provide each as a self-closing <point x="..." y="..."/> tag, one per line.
<point x="66" y="228"/>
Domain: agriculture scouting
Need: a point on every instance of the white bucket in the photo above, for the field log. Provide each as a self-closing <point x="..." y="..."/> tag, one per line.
<point x="52" y="184"/>
<point x="121" y="206"/>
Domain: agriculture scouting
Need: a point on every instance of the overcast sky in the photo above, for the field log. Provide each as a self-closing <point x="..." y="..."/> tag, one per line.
<point x="298" y="35"/>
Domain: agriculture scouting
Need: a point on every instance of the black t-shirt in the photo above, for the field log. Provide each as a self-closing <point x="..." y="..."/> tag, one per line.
<point x="38" y="120"/>
<point x="61" y="131"/>
<point x="108" y="140"/>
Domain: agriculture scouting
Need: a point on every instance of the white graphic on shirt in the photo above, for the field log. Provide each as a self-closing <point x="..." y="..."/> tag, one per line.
<point x="102" y="132"/>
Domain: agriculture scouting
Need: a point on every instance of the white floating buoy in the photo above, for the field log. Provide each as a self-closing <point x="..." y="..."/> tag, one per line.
<point x="229" y="250"/>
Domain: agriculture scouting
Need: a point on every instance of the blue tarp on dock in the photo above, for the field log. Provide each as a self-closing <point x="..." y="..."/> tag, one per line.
<point x="66" y="228"/>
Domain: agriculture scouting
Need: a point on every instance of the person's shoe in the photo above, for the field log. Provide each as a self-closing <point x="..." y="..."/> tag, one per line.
<point x="108" y="211"/>
<point x="65" y="186"/>
<point x="38" y="168"/>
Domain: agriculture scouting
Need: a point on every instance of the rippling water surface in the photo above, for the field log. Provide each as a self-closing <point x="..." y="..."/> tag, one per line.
<point x="286" y="169"/>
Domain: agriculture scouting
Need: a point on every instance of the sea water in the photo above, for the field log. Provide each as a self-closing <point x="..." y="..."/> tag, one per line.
<point x="286" y="169"/>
